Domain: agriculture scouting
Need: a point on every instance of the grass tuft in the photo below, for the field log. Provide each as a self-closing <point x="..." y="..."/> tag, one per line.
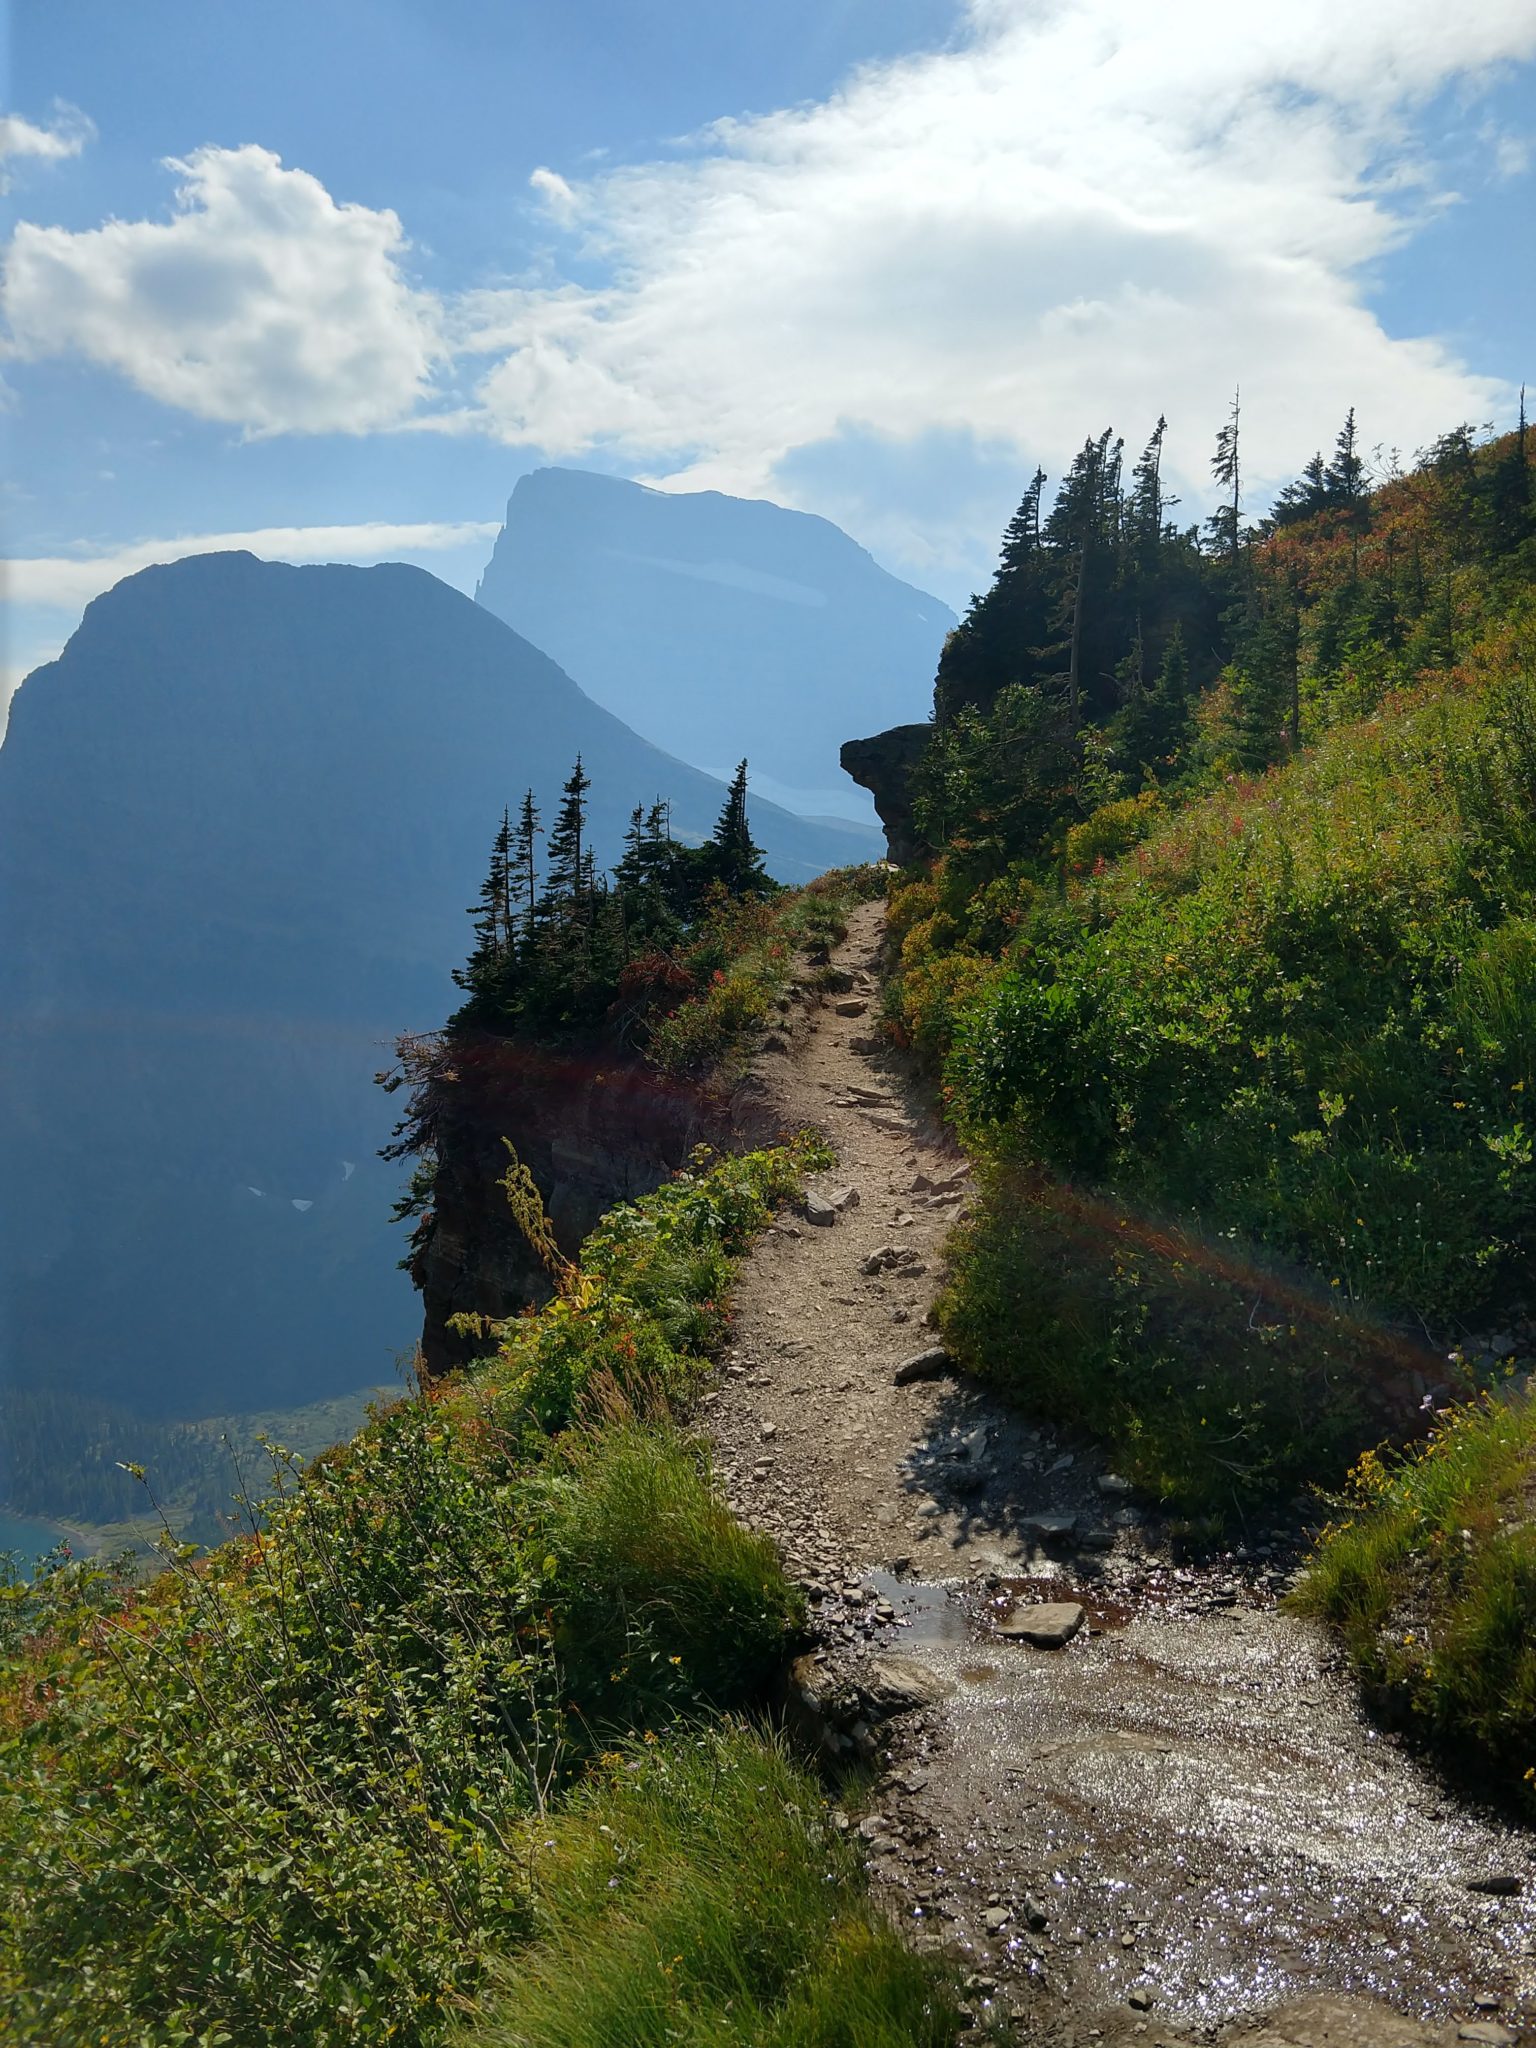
<point x="1429" y="1574"/>
<point x="697" y="1897"/>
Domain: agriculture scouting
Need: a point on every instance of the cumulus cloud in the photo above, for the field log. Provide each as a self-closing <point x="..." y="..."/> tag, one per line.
<point x="556" y="193"/>
<point x="64" y="136"/>
<point x="1083" y="211"/>
<point x="261" y="301"/>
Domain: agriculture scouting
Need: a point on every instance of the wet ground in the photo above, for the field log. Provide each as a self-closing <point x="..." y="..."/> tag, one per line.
<point x="1178" y="1827"/>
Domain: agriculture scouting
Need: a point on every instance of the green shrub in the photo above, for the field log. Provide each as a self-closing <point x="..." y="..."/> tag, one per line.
<point x="698" y="1896"/>
<point x="1303" y="1010"/>
<point x="1216" y="1383"/>
<point x="281" y="1795"/>
<point x="740" y="960"/>
<point x="660" y="1599"/>
<point x="1430" y="1575"/>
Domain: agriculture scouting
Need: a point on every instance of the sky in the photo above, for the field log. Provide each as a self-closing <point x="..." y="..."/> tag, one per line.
<point x="322" y="278"/>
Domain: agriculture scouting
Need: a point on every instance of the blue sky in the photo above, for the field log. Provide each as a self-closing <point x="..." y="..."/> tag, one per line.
<point x="329" y="276"/>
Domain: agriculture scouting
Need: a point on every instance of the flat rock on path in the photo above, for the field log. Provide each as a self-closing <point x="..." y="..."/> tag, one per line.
<point x="1186" y="1792"/>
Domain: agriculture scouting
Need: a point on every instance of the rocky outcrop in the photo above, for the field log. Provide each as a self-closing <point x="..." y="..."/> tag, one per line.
<point x="883" y="765"/>
<point x="594" y="1128"/>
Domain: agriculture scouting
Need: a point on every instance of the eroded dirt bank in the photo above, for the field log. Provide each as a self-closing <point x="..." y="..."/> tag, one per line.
<point x="1179" y="1826"/>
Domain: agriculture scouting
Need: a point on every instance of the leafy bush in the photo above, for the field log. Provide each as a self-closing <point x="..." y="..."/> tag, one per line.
<point x="283" y="1793"/>
<point x="1301" y="1010"/>
<point x="695" y="1895"/>
<point x="1214" y="1382"/>
<point x="740" y="959"/>
<point x="1430" y="1575"/>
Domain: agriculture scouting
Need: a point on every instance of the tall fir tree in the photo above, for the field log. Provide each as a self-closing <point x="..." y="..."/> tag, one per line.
<point x="494" y="946"/>
<point x="737" y="862"/>
<point x="1225" y="525"/>
<point x="525" y="876"/>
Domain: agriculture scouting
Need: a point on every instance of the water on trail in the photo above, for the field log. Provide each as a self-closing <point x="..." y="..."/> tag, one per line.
<point x="1179" y="1827"/>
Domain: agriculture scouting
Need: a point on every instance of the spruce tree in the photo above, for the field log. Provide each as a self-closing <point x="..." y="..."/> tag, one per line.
<point x="1225" y="525"/>
<point x="492" y="912"/>
<point x="1021" y="536"/>
<point x="737" y="862"/>
<point x="524" y="869"/>
<point x="1344" y="477"/>
<point x="1144" y="516"/>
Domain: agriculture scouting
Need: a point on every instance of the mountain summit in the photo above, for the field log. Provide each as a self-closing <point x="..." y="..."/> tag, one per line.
<point x="240" y="819"/>
<point x="719" y="626"/>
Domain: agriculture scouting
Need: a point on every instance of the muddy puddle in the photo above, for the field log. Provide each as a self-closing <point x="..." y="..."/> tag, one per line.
<point x="1206" y="1817"/>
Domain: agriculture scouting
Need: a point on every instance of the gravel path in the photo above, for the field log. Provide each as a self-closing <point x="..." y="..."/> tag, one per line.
<point x="1176" y="1828"/>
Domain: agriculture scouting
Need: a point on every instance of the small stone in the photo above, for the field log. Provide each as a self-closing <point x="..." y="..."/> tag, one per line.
<point x="851" y="1006"/>
<point x="1051" y="1528"/>
<point x="932" y="1364"/>
<point x="1036" y="1919"/>
<point x="997" y="1918"/>
<point x="1050" y="1625"/>
<point x="769" y="1431"/>
<point x="896" y="1684"/>
<point x="1487" y="2001"/>
<point x="1502" y="1884"/>
<point x="1112" y="1483"/>
<point x="817" y="1209"/>
<point x="1140" y="1999"/>
<point x="845" y="1198"/>
<point x="1490" y="2033"/>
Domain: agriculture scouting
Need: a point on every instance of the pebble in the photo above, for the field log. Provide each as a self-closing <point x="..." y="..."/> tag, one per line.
<point x="933" y="1364"/>
<point x="1049" y="1624"/>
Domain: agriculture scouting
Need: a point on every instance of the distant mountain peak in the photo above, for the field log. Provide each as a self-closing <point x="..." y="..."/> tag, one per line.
<point x="718" y="626"/>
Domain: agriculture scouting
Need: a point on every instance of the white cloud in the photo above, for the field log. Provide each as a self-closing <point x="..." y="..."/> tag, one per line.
<point x="1087" y="210"/>
<point x="261" y="301"/>
<point x="69" y="582"/>
<point x="558" y="197"/>
<point x="65" y="136"/>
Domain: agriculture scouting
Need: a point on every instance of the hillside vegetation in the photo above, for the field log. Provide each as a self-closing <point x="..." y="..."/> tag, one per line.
<point x="307" y="1788"/>
<point x="1224" y="960"/>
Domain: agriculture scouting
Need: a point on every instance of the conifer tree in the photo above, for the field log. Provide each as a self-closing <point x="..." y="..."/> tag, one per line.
<point x="1344" y="477"/>
<point x="492" y="912"/>
<point x="737" y="862"/>
<point x="524" y="869"/>
<point x="1509" y="491"/>
<point x="1307" y="495"/>
<point x="1021" y="536"/>
<point x="1226" y="467"/>
<point x="1145" y="513"/>
<point x="1155" y="726"/>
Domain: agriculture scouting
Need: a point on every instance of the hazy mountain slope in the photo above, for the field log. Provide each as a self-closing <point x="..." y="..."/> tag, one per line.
<point x="240" y="818"/>
<point x="720" y="626"/>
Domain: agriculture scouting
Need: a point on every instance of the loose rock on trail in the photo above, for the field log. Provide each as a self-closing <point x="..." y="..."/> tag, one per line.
<point x="1173" y="1826"/>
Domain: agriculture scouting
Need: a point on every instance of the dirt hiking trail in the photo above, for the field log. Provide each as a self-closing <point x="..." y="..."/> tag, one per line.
<point x="1176" y="1828"/>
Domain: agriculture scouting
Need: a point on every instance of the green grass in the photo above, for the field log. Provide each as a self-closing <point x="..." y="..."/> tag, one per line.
<point x="696" y="1897"/>
<point x="741" y="961"/>
<point x="1429" y="1574"/>
<point x="293" y="1791"/>
<point x="1254" y="1090"/>
<point x="1216" y="1385"/>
